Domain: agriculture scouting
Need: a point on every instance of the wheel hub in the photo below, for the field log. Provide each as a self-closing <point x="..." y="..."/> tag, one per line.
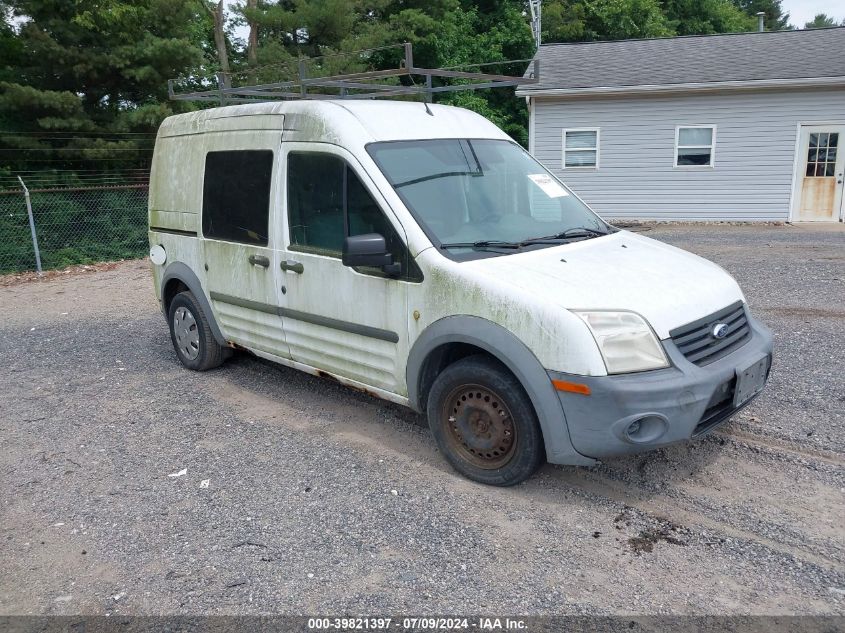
<point x="186" y="333"/>
<point x="479" y="426"/>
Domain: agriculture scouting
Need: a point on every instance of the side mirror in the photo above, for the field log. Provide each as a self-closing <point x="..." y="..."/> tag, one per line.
<point x="369" y="249"/>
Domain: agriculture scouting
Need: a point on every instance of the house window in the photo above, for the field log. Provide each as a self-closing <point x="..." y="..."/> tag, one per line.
<point x="581" y="148"/>
<point x="694" y="145"/>
<point x="236" y="196"/>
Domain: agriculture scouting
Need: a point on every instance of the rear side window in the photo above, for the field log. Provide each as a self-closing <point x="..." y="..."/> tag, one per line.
<point x="236" y="196"/>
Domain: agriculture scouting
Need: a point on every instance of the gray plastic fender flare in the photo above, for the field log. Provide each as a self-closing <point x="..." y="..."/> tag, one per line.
<point x="511" y="352"/>
<point x="183" y="273"/>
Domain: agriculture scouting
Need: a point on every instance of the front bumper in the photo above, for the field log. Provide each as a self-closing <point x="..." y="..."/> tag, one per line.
<point x="674" y="404"/>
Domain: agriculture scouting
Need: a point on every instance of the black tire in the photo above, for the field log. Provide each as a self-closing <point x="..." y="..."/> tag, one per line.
<point x="484" y="422"/>
<point x="194" y="343"/>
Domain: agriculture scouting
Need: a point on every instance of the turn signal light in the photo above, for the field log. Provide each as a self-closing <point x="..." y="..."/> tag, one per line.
<point x="574" y="387"/>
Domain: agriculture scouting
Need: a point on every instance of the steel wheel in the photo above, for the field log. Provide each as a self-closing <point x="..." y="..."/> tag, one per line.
<point x="479" y="426"/>
<point x="186" y="333"/>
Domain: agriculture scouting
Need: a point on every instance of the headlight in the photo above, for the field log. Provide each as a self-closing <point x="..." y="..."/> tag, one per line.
<point x="627" y="343"/>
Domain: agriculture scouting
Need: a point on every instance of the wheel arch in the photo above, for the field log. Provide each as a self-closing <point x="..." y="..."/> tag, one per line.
<point x="454" y="337"/>
<point x="178" y="276"/>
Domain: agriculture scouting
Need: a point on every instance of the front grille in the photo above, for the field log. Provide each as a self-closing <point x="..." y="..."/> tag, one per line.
<point x="697" y="343"/>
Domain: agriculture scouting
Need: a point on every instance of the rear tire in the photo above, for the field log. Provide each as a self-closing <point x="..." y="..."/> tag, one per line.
<point x="484" y="422"/>
<point x="191" y="334"/>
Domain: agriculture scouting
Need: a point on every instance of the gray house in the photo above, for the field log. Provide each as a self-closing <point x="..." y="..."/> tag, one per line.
<point x="747" y="126"/>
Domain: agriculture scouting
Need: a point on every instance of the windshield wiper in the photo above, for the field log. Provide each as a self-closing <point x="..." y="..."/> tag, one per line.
<point x="572" y="233"/>
<point x="445" y="174"/>
<point x="575" y="232"/>
<point x="482" y="244"/>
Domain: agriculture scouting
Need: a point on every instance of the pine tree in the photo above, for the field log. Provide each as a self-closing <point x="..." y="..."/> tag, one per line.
<point x="775" y="20"/>
<point x="93" y="73"/>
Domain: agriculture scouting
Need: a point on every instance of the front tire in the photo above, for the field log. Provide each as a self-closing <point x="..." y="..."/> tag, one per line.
<point x="191" y="334"/>
<point x="484" y="422"/>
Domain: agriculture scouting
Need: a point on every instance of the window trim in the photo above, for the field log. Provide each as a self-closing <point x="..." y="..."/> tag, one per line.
<point x="597" y="148"/>
<point x="711" y="147"/>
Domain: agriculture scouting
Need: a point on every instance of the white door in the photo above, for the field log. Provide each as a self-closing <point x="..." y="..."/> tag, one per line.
<point x="348" y="322"/>
<point x="239" y="244"/>
<point x="821" y="167"/>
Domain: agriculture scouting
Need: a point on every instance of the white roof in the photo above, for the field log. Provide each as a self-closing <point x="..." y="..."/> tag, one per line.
<point x="341" y="121"/>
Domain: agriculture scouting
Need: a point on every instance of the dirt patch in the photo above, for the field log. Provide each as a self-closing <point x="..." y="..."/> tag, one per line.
<point x="796" y="311"/>
<point x="16" y="279"/>
<point x="647" y="539"/>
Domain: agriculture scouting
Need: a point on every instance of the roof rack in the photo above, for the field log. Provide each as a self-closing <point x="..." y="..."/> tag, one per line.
<point x="367" y="84"/>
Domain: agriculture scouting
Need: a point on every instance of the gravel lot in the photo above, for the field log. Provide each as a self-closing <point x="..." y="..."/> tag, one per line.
<point x="303" y="497"/>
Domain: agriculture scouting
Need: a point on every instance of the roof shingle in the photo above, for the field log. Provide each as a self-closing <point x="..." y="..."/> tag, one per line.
<point x="702" y="59"/>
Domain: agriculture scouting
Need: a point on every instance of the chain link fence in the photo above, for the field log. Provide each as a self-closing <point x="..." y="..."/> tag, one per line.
<point x="72" y="225"/>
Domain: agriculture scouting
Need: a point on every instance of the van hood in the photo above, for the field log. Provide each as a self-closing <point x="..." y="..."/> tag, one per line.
<point x="623" y="271"/>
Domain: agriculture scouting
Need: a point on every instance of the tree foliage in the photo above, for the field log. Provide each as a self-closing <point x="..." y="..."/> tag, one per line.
<point x="775" y="20"/>
<point x="96" y="68"/>
<point x="822" y="21"/>
<point x="91" y="67"/>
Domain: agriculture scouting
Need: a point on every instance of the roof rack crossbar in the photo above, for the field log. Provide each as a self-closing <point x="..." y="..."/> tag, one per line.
<point x="359" y="85"/>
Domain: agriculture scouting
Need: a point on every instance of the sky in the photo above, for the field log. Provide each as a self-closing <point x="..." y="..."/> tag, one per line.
<point x="803" y="11"/>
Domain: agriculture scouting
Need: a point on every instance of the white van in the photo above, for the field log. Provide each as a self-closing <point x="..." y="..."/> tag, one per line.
<point x="417" y="253"/>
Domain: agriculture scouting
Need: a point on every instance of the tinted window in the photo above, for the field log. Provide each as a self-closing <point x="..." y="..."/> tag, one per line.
<point x="236" y="196"/>
<point x="327" y="201"/>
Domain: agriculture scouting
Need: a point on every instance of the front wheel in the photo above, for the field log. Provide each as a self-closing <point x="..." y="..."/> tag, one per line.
<point x="484" y="422"/>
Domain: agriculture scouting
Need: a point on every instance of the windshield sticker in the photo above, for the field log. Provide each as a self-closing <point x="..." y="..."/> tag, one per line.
<point x="549" y="185"/>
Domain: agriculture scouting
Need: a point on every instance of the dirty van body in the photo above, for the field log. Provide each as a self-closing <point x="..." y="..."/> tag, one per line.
<point x="419" y="254"/>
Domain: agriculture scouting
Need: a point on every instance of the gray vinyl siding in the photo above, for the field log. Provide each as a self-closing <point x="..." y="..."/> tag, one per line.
<point x="754" y="152"/>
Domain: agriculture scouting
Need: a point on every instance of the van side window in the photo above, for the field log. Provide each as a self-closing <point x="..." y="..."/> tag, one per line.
<point x="315" y="202"/>
<point x="236" y="196"/>
<point x="327" y="201"/>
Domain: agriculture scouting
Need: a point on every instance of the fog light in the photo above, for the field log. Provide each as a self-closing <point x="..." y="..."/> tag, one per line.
<point x="646" y="429"/>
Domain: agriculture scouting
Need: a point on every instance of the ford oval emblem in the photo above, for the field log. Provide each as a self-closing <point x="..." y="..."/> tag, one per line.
<point x="720" y="330"/>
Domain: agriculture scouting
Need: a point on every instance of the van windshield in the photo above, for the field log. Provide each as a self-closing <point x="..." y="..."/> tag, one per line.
<point x="483" y="195"/>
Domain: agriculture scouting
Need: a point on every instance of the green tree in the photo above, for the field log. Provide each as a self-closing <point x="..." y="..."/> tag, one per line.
<point x="98" y="68"/>
<point x="705" y="17"/>
<point x="775" y="20"/>
<point x="588" y="20"/>
<point x="625" y="19"/>
<point x="821" y="21"/>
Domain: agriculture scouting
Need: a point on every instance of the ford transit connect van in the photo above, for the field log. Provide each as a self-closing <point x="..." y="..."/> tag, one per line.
<point x="417" y="253"/>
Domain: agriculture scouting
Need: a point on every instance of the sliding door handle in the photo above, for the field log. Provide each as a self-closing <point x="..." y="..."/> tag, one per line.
<point x="289" y="264"/>
<point x="259" y="260"/>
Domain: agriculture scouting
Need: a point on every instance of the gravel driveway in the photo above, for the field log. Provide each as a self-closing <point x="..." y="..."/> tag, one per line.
<point x="130" y="485"/>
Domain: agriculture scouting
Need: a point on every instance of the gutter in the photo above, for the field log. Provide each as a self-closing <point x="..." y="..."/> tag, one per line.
<point x="762" y="84"/>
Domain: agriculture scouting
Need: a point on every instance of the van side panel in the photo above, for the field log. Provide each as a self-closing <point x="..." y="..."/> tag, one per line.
<point x="176" y="184"/>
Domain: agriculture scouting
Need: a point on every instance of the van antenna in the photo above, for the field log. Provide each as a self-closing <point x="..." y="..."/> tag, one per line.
<point x="427" y="109"/>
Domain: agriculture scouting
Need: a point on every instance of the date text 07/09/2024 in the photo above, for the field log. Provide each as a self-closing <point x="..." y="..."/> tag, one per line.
<point x="416" y="624"/>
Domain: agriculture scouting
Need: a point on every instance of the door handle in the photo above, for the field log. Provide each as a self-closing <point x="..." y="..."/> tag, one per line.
<point x="289" y="264"/>
<point x="259" y="260"/>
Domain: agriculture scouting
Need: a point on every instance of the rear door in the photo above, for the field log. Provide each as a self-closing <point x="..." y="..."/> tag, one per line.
<point x="821" y="172"/>
<point x="240" y="185"/>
